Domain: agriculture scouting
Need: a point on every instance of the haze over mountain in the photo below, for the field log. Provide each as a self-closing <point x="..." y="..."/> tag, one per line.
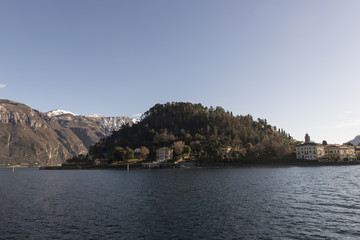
<point x="355" y="141"/>
<point x="90" y="129"/>
<point x="28" y="136"/>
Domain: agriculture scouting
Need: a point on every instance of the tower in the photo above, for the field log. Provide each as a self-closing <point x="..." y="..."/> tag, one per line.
<point x="307" y="138"/>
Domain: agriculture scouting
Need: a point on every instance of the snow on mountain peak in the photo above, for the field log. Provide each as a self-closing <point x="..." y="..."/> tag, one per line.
<point x="134" y="120"/>
<point x="58" y="112"/>
<point x="95" y="115"/>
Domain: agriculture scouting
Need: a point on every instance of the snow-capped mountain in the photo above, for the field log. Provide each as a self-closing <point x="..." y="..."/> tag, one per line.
<point x="95" y="115"/>
<point x="31" y="138"/>
<point x="115" y="123"/>
<point x="90" y="129"/>
<point x="58" y="112"/>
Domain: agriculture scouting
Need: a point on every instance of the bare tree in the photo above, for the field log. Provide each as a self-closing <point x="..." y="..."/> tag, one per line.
<point x="164" y="137"/>
<point x="179" y="147"/>
<point x="144" y="152"/>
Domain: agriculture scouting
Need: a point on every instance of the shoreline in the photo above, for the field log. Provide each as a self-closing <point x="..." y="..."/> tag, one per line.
<point x="232" y="165"/>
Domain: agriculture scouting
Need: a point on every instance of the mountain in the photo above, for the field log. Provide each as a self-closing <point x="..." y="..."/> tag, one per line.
<point x="58" y="112"/>
<point x="30" y="137"/>
<point x="89" y="129"/>
<point x="209" y="135"/>
<point x="355" y="141"/>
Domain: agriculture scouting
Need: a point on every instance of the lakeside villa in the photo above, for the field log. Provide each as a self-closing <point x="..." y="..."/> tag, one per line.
<point x="315" y="151"/>
<point x="164" y="154"/>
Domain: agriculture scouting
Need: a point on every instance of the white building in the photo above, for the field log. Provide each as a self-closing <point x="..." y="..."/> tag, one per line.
<point x="164" y="154"/>
<point x="310" y="151"/>
<point x="314" y="151"/>
<point x="137" y="152"/>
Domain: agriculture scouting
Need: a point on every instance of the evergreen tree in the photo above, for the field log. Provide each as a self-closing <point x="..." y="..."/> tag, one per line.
<point x="204" y="131"/>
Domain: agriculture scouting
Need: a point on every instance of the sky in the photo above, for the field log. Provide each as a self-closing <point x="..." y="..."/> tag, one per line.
<point x="294" y="63"/>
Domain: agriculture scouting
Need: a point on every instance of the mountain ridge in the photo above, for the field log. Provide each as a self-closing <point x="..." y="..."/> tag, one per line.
<point x="28" y="136"/>
<point x="355" y="141"/>
<point x="57" y="112"/>
<point x="31" y="137"/>
<point x="91" y="129"/>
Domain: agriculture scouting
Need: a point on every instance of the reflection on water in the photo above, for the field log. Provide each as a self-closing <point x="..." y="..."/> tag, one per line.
<point x="244" y="203"/>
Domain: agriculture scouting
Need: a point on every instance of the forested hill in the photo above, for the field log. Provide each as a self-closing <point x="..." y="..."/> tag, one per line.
<point x="208" y="135"/>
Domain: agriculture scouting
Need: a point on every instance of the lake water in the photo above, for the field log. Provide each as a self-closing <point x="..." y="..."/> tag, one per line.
<point x="238" y="203"/>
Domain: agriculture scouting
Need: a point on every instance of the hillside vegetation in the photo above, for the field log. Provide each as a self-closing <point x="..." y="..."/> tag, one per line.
<point x="208" y="135"/>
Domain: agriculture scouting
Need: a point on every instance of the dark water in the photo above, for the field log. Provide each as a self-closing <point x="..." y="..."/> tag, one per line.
<point x="245" y="203"/>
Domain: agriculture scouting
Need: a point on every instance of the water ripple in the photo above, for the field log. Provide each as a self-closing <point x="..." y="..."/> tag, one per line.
<point x="244" y="203"/>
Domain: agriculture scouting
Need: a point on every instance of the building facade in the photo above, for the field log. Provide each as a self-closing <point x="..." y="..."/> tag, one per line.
<point x="340" y="152"/>
<point x="137" y="152"/>
<point x="164" y="154"/>
<point x="314" y="151"/>
<point x="357" y="152"/>
<point x="310" y="151"/>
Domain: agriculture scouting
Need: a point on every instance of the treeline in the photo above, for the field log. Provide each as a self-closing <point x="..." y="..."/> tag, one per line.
<point x="209" y="135"/>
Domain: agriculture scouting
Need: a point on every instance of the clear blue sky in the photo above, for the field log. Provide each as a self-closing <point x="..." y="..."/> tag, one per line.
<point x="295" y="63"/>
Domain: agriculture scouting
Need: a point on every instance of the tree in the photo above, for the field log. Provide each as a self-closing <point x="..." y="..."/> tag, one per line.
<point x="164" y="138"/>
<point x="144" y="152"/>
<point x="215" y="129"/>
<point x="206" y="130"/>
<point x="129" y="153"/>
<point x="179" y="147"/>
<point x="187" y="150"/>
<point x="324" y="142"/>
<point x="119" y="154"/>
<point x="249" y="147"/>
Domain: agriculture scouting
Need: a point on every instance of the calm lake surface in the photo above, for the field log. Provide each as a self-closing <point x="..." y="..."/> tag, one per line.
<point x="237" y="203"/>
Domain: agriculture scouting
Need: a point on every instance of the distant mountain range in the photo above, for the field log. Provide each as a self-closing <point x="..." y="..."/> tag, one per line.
<point x="90" y="129"/>
<point x="356" y="140"/>
<point x="33" y="138"/>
